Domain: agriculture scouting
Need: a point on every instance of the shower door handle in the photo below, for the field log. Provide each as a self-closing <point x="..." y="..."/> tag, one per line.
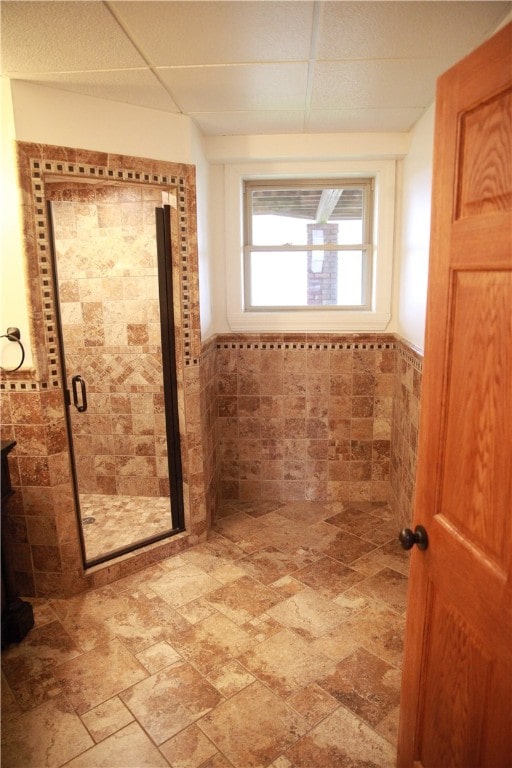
<point x="83" y="393"/>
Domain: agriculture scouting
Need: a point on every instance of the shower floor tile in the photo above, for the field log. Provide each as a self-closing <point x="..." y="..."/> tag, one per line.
<point x="110" y="523"/>
<point x="252" y="650"/>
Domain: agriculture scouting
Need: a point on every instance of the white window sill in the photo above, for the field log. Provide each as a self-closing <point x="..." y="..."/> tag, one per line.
<point x="313" y="320"/>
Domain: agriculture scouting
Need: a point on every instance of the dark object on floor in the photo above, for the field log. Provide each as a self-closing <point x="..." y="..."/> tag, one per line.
<point x="17" y="614"/>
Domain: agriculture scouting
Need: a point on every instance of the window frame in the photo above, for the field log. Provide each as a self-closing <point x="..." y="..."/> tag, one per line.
<point x="330" y="319"/>
<point x="365" y="246"/>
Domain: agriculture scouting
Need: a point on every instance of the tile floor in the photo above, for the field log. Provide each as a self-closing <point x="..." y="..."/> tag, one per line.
<point x="110" y="523"/>
<point x="277" y="643"/>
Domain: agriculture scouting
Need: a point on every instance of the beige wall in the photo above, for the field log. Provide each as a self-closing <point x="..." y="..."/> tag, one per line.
<point x="13" y="306"/>
<point x="413" y="239"/>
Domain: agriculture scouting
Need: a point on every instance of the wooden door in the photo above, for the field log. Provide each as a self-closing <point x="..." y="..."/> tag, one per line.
<point x="456" y="705"/>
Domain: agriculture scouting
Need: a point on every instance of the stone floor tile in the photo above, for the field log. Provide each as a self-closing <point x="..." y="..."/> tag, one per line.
<point x="106" y="718"/>
<point x="128" y="748"/>
<point x="308" y="613"/>
<point x="376" y="628"/>
<point x="47" y="736"/>
<point x="230" y="678"/>
<point x="313" y="703"/>
<point x="346" y="548"/>
<point x="170" y="700"/>
<point x="32" y="691"/>
<point x="243" y="599"/>
<point x="304" y="512"/>
<point x="145" y="621"/>
<point x="221" y="657"/>
<point x="270" y="564"/>
<point x="196" y="610"/>
<point x="158" y="656"/>
<point x="388" y="586"/>
<point x="328" y="576"/>
<point x="342" y="740"/>
<point x="213" y="554"/>
<point x="182" y="585"/>
<point x="254" y="727"/>
<point x="43" y="648"/>
<point x="213" y="641"/>
<point x="365" y="684"/>
<point x="188" y="749"/>
<point x="10" y="707"/>
<point x="388" y="726"/>
<point x="84" y="616"/>
<point x="97" y="675"/>
<point x="285" y="662"/>
<point x="242" y="530"/>
<point x="361" y="522"/>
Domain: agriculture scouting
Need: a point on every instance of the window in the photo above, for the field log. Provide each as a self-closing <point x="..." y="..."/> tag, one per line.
<point x="351" y="261"/>
<point x="307" y="244"/>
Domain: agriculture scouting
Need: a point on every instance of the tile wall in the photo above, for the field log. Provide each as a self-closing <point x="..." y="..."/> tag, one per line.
<point x="312" y="417"/>
<point x="404" y="434"/>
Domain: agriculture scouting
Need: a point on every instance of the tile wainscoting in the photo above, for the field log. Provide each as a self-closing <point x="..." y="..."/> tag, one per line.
<point x="317" y="417"/>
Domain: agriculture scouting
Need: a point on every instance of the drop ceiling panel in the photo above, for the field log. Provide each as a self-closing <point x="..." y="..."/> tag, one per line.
<point x="381" y="30"/>
<point x="233" y="88"/>
<point x="244" y="123"/>
<point x="362" y="120"/>
<point x="138" y="87"/>
<point x="218" y="32"/>
<point x="377" y="84"/>
<point x="63" y="37"/>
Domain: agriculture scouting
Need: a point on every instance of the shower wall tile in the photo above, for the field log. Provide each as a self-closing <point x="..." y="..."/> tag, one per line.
<point x="106" y="311"/>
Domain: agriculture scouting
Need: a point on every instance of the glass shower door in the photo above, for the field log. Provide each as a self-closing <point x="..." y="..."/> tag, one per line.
<point x="113" y="282"/>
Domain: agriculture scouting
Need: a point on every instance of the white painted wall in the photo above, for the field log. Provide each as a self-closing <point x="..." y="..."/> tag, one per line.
<point x="51" y="116"/>
<point x="414" y="232"/>
<point x="13" y="306"/>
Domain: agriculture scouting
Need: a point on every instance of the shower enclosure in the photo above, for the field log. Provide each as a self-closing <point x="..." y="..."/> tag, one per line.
<point x="111" y="246"/>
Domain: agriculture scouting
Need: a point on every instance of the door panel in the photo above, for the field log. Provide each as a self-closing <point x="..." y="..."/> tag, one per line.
<point x="472" y="498"/>
<point x="457" y="682"/>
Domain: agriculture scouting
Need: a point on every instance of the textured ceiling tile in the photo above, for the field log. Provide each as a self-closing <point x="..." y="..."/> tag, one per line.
<point x="362" y="120"/>
<point x="133" y="86"/>
<point x="63" y="37"/>
<point x="233" y="88"/>
<point x="381" y="30"/>
<point x="216" y="32"/>
<point x="245" y="123"/>
<point x="377" y="84"/>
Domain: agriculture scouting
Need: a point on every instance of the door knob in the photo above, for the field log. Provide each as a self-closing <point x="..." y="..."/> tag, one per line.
<point x="408" y="538"/>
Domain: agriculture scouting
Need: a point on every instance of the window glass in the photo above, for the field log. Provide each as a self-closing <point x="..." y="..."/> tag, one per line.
<point x="307" y="244"/>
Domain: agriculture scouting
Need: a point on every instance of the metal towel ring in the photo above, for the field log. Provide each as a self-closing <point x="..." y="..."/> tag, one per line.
<point x="13" y="334"/>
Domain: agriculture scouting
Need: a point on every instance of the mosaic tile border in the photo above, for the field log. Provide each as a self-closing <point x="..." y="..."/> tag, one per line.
<point x="309" y="346"/>
<point x="410" y="354"/>
<point x="35" y="163"/>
